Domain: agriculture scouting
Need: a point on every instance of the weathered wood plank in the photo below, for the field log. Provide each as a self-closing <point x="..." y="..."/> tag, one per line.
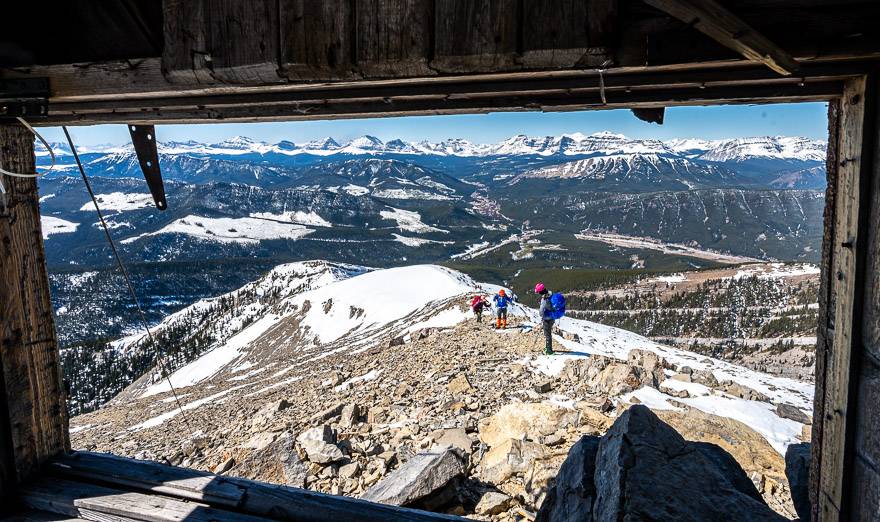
<point x="260" y="499"/>
<point x="714" y="20"/>
<point x="151" y="476"/>
<point x="221" y="41"/>
<point x="28" y="348"/>
<point x="393" y="37"/>
<point x="825" y="326"/>
<point x="99" y="503"/>
<point x="475" y="35"/>
<point x="555" y="33"/>
<point x="317" y="39"/>
<point x="495" y="86"/>
<point x="846" y="241"/>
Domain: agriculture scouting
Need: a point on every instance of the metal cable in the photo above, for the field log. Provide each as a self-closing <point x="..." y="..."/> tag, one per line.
<point x="124" y="271"/>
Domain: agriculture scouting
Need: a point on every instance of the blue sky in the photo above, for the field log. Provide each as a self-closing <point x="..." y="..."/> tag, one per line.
<point x="804" y="119"/>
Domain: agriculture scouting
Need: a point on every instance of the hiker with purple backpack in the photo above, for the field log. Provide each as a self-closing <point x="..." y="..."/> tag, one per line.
<point x="551" y="308"/>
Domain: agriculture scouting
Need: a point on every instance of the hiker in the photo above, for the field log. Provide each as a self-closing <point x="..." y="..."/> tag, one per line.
<point x="546" y="311"/>
<point x="478" y="304"/>
<point x="501" y="301"/>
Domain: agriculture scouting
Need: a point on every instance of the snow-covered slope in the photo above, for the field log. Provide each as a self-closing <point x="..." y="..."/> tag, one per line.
<point x="345" y="310"/>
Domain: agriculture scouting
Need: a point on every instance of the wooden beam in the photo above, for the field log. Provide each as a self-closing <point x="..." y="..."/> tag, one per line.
<point x="715" y="21"/>
<point x="433" y="104"/>
<point x="34" y="395"/>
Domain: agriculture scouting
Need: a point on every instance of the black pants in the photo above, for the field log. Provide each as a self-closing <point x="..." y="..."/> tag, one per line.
<point x="548" y="335"/>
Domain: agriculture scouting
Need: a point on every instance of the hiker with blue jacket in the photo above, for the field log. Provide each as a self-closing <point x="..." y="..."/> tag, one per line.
<point x="502" y="301"/>
<point x="547" y="312"/>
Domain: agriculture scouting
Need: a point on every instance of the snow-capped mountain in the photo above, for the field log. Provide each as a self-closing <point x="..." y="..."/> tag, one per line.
<point x="574" y="144"/>
<point x="650" y="170"/>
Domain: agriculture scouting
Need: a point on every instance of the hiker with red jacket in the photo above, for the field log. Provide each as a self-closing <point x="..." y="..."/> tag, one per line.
<point x="501" y="301"/>
<point x="478" y="304"/>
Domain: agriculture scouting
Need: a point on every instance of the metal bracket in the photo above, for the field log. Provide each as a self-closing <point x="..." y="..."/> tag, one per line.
<point x="24" y="98"/>
<point x="143" y="137"/>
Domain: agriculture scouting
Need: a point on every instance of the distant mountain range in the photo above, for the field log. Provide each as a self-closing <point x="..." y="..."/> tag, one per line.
<point x="576" y="144"/>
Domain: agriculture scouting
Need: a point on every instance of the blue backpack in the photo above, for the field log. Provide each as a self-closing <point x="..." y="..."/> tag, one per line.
<point x="557" y="301"/>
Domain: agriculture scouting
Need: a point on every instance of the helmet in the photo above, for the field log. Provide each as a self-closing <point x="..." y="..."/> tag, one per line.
<point x="539" y="288"/>
<point x="501" y="292"/>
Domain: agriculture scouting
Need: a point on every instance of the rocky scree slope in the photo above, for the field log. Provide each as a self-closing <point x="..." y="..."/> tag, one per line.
<point x="348" y="385"/>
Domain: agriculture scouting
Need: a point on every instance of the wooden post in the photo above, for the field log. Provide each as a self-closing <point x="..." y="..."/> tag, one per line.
<point x="32" y="403"/>
<point x="840" y="345"/>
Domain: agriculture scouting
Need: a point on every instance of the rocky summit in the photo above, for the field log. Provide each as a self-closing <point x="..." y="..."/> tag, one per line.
<point x="380" y="384"/>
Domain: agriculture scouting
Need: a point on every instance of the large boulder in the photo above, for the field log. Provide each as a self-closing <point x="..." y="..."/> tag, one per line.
<point x="420" y="477"/>
<point x="645" y="470"/>
<point x="571" y="498"/>
<point x="525" y="421"/>
<point x="797" y="469"/>
<point x="509" y="458"/>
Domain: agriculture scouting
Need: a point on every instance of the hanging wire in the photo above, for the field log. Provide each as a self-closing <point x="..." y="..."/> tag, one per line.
<point x="125" y="275"/>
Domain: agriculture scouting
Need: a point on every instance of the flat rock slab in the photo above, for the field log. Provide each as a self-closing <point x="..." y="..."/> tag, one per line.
<point x="419" y="477"/>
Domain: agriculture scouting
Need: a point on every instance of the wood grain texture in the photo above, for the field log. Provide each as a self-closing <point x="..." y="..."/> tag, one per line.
<point x="844" y="271"/>
<point x="99" y="503"/>
<point x="317" y="39"/>
<point x="717" y="22"/>
<point x="149" y="476"/>
<point x="393" y="38"/>
<point x="28" y="347"/>
<point x="475" y="35"/>
<point x="555" y="33"/>
<point x="221" y="41"/>
<point x="866" y="492"/>
<point x="825" y="326"/>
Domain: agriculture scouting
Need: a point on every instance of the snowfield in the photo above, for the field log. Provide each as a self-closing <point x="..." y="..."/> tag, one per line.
<point x="350" y="310"/>
<point x="409" y="221"/>
<point x="119" y="201"/>
<point x="298" y="217"/>
<point x="247" y="230"/>
<point x="53" y="225"/>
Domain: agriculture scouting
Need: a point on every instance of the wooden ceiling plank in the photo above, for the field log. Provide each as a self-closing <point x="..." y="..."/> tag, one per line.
<point x="715" y="21"/>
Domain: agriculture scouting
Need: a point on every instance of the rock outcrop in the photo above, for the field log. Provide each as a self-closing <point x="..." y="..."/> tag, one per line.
<point x="645" y="470"/>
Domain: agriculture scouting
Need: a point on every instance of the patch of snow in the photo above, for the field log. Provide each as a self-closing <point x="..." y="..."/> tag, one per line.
<point x="247" y="230"/>
<point x="369" y="376"/>
<point x="298" y="217"/>
<point x="408" y="221"/>
<point x="119" y="201"/>
<point x="53" y="225"/>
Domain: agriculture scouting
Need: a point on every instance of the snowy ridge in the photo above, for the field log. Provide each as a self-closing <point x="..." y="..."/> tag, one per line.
<point x="350" y="311"/>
